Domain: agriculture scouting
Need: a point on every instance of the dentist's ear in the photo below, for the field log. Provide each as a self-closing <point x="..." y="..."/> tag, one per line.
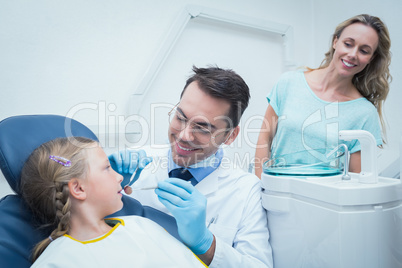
<point x="77" y="189"/>
<point x="232" y="135"/>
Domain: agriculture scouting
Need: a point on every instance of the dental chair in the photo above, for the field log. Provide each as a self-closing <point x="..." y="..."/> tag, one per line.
<point x="19" y="136"/>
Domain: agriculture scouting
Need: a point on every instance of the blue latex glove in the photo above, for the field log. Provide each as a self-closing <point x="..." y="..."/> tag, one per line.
<point x="127" y="161"/>
<point x="188" y="206"/>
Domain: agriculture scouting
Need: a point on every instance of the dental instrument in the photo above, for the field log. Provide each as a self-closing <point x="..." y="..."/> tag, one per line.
<point x="145" y="188"/>
<point x="134" y="177"/>
<point x="213" y="219"/>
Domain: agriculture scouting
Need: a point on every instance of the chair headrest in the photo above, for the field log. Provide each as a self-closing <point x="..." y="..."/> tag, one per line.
<point x="15" y="147"/>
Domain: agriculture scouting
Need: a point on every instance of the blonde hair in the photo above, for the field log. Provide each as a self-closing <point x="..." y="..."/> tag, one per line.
<point x="44" y="184"/>
<point x="373" y="81"/>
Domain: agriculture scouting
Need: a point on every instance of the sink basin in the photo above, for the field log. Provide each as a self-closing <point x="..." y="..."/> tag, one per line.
<point x="304" y="164"/>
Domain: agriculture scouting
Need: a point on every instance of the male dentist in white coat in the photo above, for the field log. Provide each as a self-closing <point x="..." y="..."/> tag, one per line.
<point x="220" y="218"/>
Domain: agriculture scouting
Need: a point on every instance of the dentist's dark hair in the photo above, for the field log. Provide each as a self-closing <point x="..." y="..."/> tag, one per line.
<point x="223" y="84"/>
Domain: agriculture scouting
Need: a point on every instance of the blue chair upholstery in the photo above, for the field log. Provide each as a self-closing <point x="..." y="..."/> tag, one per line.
<point x="19" y="136"/>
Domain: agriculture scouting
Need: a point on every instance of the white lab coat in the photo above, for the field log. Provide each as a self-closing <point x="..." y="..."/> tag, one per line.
<point x="234" y="200"/>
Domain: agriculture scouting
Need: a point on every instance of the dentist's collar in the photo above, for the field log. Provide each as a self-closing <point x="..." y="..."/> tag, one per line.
<point x="213" y="161"/>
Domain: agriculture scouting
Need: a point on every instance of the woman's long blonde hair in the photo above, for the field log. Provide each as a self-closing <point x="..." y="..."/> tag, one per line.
<point x="44" y="183"/>
<point x="373" y="81"/>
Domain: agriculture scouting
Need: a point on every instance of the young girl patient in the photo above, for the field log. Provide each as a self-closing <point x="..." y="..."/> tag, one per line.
<point x="68" y="183"/>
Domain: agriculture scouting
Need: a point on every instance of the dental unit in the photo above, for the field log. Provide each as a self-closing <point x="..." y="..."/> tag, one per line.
<point x="323" y="217"/>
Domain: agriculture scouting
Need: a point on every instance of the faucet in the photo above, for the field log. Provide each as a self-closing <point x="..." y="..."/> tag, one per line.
<point x="369" y="168"/>
<point x="345" y="175"/>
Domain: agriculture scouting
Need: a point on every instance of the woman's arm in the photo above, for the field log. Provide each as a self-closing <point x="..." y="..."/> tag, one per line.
<point x="355" y="162"/>
<point x="267" y="133"/>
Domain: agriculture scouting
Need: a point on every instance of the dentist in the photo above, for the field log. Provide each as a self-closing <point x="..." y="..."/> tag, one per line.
<point x="219" y="214"/>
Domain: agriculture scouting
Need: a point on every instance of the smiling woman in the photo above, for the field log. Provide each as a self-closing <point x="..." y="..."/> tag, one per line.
<point x="354" y="49"/>
<point x="308" y="108"/>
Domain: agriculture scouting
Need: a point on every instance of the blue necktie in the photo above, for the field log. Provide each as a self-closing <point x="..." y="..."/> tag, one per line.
<point x="183" y="174"/>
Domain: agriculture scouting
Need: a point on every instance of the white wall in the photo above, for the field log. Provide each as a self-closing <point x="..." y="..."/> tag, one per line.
<point x="59" y="56"/>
